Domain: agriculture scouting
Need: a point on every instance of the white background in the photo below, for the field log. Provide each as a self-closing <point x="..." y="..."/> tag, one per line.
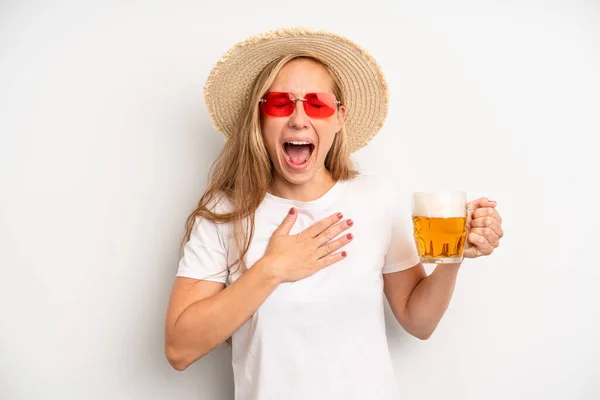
<point x="105" y="146"/>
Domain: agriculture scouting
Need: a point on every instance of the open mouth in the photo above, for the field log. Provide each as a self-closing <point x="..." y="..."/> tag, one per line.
<point x="298" y="152"/>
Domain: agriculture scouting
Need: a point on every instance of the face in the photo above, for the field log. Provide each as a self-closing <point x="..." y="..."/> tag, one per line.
<point x="298" y="144"/>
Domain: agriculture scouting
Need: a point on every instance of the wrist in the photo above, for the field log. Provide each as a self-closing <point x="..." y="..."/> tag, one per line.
<point x="451" y="268"/>
<point x="266" y="270"/>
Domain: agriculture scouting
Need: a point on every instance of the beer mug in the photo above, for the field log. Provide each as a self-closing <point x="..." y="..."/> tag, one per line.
<point x="440" y="226"/>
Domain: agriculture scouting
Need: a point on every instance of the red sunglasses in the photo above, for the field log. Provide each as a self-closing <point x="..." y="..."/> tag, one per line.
<point x="316" y="105"/>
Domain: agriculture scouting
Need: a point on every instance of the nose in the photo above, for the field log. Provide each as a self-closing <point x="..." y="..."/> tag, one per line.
<point x="298" y="119"/>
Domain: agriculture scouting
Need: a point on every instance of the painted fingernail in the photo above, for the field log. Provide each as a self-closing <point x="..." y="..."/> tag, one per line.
<point x="344" y="254"/>
<point x="349" y="236"/>
<point x="292" y="211"/>
<point x="350" y="222"/>
<point x="340" y="215"/>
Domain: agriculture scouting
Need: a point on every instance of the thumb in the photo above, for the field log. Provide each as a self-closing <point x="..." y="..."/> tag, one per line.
<point x="471" y="252"/>
<point x="288" y="222"/>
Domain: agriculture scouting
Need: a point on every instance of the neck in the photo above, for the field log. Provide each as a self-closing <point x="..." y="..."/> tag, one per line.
<point x="308" y="191"/>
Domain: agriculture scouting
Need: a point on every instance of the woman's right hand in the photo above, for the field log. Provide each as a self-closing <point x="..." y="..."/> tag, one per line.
<point x="294" y="257"/>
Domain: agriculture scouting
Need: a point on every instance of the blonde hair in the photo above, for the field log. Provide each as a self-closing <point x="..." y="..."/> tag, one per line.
<point x="243" y="171"/>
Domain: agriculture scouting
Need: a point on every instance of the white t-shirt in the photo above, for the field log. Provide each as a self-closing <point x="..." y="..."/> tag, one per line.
<point x="322" y="337"/>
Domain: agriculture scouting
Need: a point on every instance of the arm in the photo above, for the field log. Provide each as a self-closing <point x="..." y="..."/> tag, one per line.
<point x="419" y="301"/>
<point x="201" y="314"/>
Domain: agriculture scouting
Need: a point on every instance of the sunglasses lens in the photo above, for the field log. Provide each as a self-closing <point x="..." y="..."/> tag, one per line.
<point x="320" y="105"/>
<point x="278" y="104"/>
<point x="316" y="105"/>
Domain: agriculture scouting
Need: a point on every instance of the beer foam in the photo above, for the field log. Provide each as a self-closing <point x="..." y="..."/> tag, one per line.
<point x="439" y="205"/>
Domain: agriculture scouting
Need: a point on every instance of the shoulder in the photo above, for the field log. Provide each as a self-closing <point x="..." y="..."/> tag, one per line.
<point x="219" y="205"/>
<point x="381" y="192"/>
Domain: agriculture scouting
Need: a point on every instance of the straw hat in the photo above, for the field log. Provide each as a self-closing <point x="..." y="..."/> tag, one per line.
<point x="365" y="90"/>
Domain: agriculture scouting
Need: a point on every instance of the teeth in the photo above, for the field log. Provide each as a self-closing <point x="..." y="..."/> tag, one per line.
<point x="297" y="142"/>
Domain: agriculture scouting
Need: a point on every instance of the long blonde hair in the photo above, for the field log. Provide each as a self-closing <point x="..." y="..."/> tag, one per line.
<point x="243" y="171"/>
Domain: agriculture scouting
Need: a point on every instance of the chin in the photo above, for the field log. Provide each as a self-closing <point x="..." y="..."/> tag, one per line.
<point x="295" y="177"/>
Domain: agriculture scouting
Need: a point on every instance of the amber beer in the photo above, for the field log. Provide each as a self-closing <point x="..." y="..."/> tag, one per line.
<point x="440" y="226"/>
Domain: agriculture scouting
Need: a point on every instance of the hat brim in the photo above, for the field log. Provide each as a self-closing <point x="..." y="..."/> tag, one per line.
<point x="227" y="88"/>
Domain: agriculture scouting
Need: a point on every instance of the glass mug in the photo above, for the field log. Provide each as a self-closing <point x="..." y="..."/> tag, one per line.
<point x="440" y="226"/>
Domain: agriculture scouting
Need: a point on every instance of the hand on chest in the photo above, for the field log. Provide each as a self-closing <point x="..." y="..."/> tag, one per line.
<point x="365" y="253"/>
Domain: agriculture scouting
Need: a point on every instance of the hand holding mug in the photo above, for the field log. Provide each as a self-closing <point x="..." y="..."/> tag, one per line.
<point x="484" y="228"/>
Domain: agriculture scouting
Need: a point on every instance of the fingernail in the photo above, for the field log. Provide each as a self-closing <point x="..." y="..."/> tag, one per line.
<point x="349" y="236"/>
<point x="292" y="211"/>
<point x="350" y="222"/>
<point x="340" y="215"/>
<point x="344" y="254"/>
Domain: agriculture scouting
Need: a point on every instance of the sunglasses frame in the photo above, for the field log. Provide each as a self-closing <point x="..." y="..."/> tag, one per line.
<point x="293" y="99"/>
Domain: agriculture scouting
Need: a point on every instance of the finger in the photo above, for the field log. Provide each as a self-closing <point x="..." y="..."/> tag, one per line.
<point x="331" y="259"/>
<point x="318" y="227"/>
<point x="333" y="231"/>
<point x="335" y="245"/>
<point x="471" y="252"/>
<point x="488" y="222"/>
<point x="287" y="224"/>
<point x="480" y="246"/>
<point x="492" y="237"/>
<point x="484" y="212"/>
<point x="481" y="202"/>
<point x="478" y="204"/>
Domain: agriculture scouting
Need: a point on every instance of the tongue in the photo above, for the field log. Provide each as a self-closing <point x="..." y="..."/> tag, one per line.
<point x="298" y="153"/>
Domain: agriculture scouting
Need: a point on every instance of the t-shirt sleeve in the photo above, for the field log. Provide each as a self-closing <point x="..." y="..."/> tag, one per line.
<point x="204" y="255"/>
<point x="402" y="251"/>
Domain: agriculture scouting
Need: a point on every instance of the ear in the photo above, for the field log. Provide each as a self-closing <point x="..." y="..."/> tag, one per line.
<point x="341" y="116"/>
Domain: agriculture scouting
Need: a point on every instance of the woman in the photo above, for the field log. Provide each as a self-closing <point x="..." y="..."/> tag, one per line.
<point x="290" y="250"/>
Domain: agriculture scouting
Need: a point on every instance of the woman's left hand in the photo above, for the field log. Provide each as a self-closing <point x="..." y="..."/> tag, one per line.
<point x="484" y="228"/>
